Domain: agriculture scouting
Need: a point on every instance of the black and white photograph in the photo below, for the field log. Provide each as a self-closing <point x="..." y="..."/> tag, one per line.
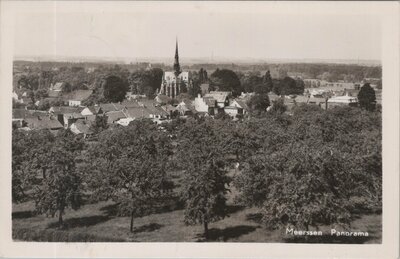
<point x="197" y="122"/>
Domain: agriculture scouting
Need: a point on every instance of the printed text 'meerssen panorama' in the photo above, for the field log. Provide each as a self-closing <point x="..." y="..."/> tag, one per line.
<point x="333" y="232"/>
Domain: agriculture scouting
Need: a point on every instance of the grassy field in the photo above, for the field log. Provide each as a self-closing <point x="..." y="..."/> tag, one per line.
<point x="98" y="222"/>
<point x="241" y="226"/>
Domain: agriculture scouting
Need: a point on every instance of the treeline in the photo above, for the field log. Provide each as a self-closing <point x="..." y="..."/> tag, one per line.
<point x="110" y="84"/>
<point x="316" y="167"/>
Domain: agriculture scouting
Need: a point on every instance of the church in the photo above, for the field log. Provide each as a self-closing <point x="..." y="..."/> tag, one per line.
<point x="174" y="82"/>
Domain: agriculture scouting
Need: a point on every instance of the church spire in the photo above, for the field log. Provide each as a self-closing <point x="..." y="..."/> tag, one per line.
<point x="177" y="67"/>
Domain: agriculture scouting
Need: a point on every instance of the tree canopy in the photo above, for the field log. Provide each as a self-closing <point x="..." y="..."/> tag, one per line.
<point x="367" y="98"/>
<point x="114" y="89"/>
<point x="226" y="80"/>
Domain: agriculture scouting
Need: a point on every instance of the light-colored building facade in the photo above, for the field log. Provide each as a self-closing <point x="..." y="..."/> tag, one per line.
<point x="173" y="82"/>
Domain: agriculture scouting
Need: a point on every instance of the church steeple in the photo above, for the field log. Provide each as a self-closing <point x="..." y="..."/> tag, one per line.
<point x="177" y="67"/>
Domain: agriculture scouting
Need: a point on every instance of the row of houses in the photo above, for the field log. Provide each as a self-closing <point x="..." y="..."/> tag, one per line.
<point x="79" y="119"/>
<point x="74" y="98"/>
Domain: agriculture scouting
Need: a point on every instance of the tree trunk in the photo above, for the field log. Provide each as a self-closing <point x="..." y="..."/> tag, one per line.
<point x="131" y="228"/>
<point x="60" y="219"/>
<point x="206" y="230"/>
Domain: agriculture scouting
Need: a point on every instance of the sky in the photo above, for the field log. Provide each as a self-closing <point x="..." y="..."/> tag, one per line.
<point x="150" y="30"/>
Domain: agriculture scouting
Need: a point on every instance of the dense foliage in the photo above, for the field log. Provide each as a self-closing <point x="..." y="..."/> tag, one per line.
<point x="46" y="165"/>
<point x="226" y="80"/>
<point x="316" y="167"/>
<point x="205" y="171"/>
<point x="128" y="165"/>
<point x="367" y="98"/>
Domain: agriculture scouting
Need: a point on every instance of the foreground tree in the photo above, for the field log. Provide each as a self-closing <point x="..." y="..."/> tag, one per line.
<point x="205" y="172"/>
<point x="128" y="165"/>
<point x="367" y="98"/>
<point x="61" y="188"/>
<point x="315" y="167"/>
<point x="44" y="165"/>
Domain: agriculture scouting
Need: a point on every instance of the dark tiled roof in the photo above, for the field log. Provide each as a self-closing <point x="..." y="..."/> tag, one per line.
<point x="242" y="103"/>
<point x="114" y="116"/>
<point x="108" y="107"/>
<point x="54" y="94"/>
<point x="79" y="95"/>
<point x="138" y="112"/>
<point x="43" y="122"/>
<point x="65" y="109"/>
<point x="83" y="126"/>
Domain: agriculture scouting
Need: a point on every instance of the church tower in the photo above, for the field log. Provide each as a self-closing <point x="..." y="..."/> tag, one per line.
<point x="177" y="67"/>
<point x="173" y="82"/>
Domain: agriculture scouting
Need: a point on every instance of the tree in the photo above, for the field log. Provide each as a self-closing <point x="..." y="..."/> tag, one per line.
<point x="205" y="172"/>
<point x="226" y="80"/>
<point x="288" y="86"/>
<point x="315" y="167"/>
<point x="62" y="186"/>
<point x="114" y="89"/>
<point x="128" y="165"/>
<point x="100" y="124"/>
<point x="278" y="106"/>
<point x="146" y="81"/>
<point x="367" y="98"/>
<point x="45" y="166"/>
<point x="267" y="83"/>
<point x="183" y="87"/>
<point x="258" y="103"/>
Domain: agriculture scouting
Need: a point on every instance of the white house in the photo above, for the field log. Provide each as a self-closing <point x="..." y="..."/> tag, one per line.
<point x="205" y="105"/>
<point x="222" y="98"/>
<point x="76" y="97"/>
<point x="236" y="107"/>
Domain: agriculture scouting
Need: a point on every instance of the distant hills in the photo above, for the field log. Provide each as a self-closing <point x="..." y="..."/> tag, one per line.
<point x="194" y="60"/>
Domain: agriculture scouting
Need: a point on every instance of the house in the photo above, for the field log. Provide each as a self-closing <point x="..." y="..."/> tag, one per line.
<point x="43" y="122"/>
<point x="222" y="98"/>
<point x="64" y="109"/>
<point x="130" y="96"/>
<point x="137" y="113"/>
<point x="75" y="98"/>
<point x="156" y="112"/>
<point x="57" y="87"/>
<point x="20" y="113"/>
<point x="16" y="97"/>
<point x="114" y="116"/>
<point x="111" y="107"/>
<point x="69" y="118"/>
<point x="170" y="109"/>
<point x="91" y="110"/>
<point x="321" y="102"/>
<point x="185" y="108"/>
<point x="124" y="121"/>
<point x="81" y="127"/>
<point x="342" y="101"/>
<point x="237" y="107"/>
<point x="162" y="99"/>
<point x="206" y="105"/>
